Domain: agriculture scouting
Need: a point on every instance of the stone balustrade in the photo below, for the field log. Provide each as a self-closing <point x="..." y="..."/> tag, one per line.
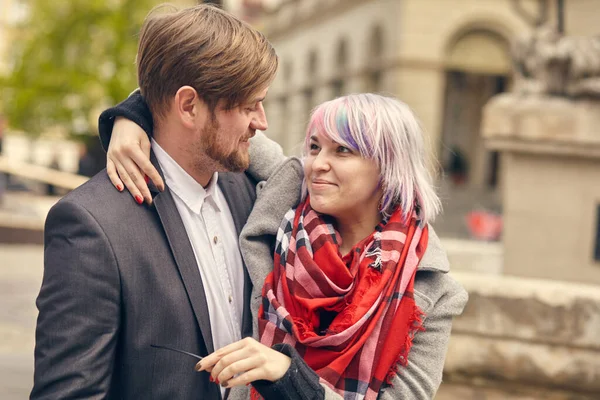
<point x="522" y="338"/>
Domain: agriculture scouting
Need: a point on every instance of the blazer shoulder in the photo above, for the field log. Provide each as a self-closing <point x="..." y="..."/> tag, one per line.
<point x="102" y="201"/>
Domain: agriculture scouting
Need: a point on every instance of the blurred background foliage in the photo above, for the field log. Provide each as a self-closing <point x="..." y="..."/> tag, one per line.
<point x="63" y="74"/>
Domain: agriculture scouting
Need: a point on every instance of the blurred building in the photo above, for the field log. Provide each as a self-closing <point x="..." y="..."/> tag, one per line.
<point x="444" y="58"/>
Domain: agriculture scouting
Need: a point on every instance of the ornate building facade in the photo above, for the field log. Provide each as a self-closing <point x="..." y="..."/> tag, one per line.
<point x="443" y="58"/>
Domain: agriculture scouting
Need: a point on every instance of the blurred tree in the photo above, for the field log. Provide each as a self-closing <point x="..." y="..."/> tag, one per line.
<point x="73" y="58"/>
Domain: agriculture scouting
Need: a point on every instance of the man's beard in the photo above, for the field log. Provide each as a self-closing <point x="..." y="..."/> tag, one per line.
<point x="236" y="161"/>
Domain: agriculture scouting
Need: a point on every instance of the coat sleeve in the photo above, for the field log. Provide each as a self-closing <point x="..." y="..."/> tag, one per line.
<point x="79" y="312"/>
<point x="133" y="108"/>
<point x="265" y="156"/>
<point x="423" y="375"/>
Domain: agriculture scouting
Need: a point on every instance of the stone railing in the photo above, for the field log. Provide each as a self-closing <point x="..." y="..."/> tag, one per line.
<point x="40" y="173"/>
<point x="521" y="338"/>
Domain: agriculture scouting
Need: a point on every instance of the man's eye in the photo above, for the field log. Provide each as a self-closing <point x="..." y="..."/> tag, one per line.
<point x="253" y="107"/>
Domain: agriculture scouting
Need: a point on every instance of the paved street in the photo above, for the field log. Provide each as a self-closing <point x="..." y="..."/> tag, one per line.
<point x="20" y="278"/>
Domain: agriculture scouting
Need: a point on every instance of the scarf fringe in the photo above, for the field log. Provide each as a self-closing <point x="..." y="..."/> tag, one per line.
<point x="305" y="330"/>
<point x="415" y="324"/>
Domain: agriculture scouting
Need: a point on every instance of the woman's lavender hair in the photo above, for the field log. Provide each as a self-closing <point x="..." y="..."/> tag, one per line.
<point x="385" y="130"/>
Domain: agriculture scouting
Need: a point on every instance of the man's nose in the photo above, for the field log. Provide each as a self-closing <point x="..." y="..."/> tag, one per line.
<point x="259" y="122"/>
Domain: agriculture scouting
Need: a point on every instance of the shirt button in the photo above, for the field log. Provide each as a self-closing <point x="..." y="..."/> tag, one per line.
<point x="215" y="240"/>
<point x="230" y="299"/>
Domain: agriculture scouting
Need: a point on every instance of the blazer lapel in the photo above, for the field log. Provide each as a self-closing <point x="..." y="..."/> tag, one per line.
<point x="231" y="191"/>
<point x="240" y="205"/>
<point x="184" y="256"/>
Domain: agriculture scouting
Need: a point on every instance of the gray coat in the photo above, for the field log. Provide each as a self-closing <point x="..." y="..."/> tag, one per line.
<point x="438" y="295"/>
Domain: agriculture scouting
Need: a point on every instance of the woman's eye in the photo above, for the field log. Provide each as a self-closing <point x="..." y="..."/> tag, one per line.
<point x="342" y="149"/>
<point x="313" y="147"/>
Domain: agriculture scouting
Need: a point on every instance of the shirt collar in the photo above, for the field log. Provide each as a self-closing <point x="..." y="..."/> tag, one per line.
<point x="182" y="184"/>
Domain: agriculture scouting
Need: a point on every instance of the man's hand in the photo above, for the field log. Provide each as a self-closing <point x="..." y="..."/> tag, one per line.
<point x="243" y="362"/>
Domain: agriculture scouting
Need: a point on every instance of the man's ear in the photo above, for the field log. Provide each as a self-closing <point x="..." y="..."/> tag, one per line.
<point x="186" y="103"/>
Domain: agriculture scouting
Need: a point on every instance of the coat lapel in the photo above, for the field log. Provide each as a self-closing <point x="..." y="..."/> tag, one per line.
<point x="184" y="256"/>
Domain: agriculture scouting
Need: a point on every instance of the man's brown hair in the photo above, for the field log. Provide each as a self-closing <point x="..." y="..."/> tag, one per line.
<point x="206" y="48"/>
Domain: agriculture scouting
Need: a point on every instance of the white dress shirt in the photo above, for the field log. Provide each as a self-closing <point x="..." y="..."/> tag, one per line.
<point x="209" y="225"/>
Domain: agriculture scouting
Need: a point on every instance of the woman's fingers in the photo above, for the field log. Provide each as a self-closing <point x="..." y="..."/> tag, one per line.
<point x="247" y="370"/>
<point x="129" y="154"/>
<point x="243" y="379"/>
<point x="125" y="175"/>
<point x="232" y="363"/>
<point x="212" y="359"/>
<point x="142" y="160"/>
<point x="245" y="357"/>
<point x="111" y="170"/>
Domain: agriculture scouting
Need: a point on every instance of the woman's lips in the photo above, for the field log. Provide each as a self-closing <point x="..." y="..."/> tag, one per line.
<point x="321" y="184"/>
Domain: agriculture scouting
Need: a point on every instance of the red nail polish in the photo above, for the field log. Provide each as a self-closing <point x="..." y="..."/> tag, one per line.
<point x="139" y="199"/>
<point x="146" y="179"/>
<point x="119" y="188"/>
<point x="217" y="381"/>
<point x="210" y="378"/>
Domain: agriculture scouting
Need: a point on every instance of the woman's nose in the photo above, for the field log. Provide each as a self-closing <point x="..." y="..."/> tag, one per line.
<point x="321" y="162"/>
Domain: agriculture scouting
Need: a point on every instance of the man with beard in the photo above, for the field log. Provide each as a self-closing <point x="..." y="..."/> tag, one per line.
<point x="124" y="281"/>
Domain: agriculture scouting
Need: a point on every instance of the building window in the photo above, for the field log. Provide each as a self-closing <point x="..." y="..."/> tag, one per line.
<point x="287" y="71"/>
<point x="341" y="61"/>
<point x="374" y="81"/>
<point x="337" y="86"/>
<point x="313" y="63"/>
<point x="309" y="99"/>
<point x="374" y="63"/>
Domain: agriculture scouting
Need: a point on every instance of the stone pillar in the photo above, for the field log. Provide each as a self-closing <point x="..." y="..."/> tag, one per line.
<point x="551" y="190"/>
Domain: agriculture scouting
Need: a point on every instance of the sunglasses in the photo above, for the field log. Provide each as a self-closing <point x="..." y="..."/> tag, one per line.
<point x="196" y="356"/>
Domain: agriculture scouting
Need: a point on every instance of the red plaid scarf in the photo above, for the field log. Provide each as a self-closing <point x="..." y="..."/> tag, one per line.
<point x="367" y="296"/>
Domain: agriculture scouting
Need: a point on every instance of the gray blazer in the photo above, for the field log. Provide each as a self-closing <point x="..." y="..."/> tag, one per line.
<point x="118" y="278"/>
<point x="438" y="295"/>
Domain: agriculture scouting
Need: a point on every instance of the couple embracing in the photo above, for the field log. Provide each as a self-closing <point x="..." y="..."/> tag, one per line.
<point x="232" y="271"/>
